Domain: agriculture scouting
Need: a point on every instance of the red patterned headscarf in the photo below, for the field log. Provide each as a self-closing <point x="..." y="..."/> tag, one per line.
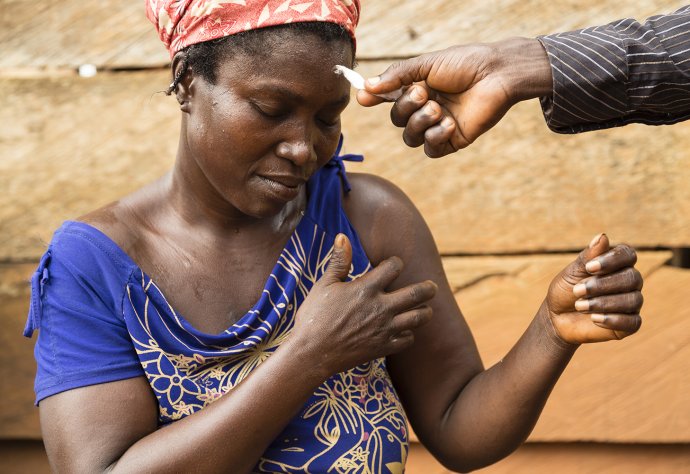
<point x="184" y="22"/>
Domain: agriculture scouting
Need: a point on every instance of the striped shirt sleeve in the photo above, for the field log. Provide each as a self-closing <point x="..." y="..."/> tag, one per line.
<point x="620" y="73"/>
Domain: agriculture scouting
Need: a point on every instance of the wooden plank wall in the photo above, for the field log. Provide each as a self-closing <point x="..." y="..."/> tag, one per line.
<point x="498" y="210"/>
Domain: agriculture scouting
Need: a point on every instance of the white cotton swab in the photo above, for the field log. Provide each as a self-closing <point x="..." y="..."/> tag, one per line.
<point x="357" y="82"/>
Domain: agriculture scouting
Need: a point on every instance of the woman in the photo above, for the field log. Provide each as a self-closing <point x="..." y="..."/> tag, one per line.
<point x="255" y="310"/>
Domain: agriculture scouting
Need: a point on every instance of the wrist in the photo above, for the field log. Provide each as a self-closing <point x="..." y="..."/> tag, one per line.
<point x="526" y="65"/>
<point x="551" y="337"/>
<point x="310" y="357"/>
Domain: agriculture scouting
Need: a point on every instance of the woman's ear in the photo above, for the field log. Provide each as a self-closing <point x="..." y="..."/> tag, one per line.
<point x="182" y="81"/>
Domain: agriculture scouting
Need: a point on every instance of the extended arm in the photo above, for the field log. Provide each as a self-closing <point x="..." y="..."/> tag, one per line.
<point x="466" y="416"/>
<point x="620" y="73"/>
<point x="594" y="78"/>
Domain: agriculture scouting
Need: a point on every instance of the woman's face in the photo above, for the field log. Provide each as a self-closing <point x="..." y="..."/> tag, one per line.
<point x="269" y="122"/>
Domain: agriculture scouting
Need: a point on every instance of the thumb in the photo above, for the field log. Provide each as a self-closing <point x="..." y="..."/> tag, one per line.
<point x="341" y="260"/>
<point x="600" y="244"/>
<point x="561" y="297"/>
<point x="399" y="74"/>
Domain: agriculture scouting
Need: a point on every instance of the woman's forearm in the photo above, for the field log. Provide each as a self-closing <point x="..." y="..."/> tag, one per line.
<point x="498" y="408"/>
<point x="231" y="434"/>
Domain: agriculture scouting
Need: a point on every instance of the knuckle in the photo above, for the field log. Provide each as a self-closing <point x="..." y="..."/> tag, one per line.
<point x="410" y="140"/>
<point x="378" y="307"/>
<point x="637" y="279"/>
<point x="364" y="293"/>
<point x="432" y="109"/>
<point x="396" y="66"/>
<point x="637" y="299"/>
<point x="629" y="278"/>
<point x="418" y="317"/>
<point x="432" y="151"/>
<point x="396" y="116"/>
<point x="415" y="293"/>
<point x="628" y="253"/>
<point x="637" y="323"/>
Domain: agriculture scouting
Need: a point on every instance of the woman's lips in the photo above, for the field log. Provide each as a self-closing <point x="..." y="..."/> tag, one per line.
<point x="283" y="187"/>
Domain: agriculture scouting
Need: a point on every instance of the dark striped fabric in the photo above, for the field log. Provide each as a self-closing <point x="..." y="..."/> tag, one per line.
<point x="620" y="73"/>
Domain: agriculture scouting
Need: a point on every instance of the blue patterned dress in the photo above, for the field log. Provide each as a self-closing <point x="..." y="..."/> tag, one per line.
<point x="101" y="319"/>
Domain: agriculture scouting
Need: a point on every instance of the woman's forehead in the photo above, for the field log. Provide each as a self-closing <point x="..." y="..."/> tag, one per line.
<point x="295" y="60"/>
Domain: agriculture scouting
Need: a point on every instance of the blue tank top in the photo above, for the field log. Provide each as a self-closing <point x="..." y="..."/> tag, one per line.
<point x="102" y="319"/>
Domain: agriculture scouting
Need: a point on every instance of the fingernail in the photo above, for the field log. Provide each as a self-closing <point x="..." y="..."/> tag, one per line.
<point x="429" y="109"/>
<point x="580" y="289"/>
<point x="416" y="93"/>
<point x="339" y="241"/>
<point x="447" y="122"/>
<point x="582" y="305"/>
<point x="595" y="240"/>
<point x="593" y="266"/>
<point x="598" y="318"/>
<point x="374" y="80"/>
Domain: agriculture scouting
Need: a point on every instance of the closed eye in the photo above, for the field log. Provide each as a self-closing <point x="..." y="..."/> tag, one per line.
<point x="267" y="111"/>
<point x="329" y="122"/>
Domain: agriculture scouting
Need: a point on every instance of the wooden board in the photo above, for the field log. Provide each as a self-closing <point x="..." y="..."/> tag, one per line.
<point x="53" y="34"/>
<point x="636" y="390"/>
<point x="69" y="145"/>
<point x="50" y="34"/>
<point x="572" y="458"/>
<point x="18" y="416"/>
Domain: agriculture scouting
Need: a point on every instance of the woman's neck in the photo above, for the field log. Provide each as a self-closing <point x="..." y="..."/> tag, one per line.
<point x="197" y="204"/>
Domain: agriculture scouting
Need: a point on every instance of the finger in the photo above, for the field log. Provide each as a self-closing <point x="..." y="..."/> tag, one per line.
<point x="628" y="303"/>
<point x="399" y="342"/>
<point x="443" y="139"/>
<point x="622" y="325"/>
<point x="410" y="102"/>
<point x="577" y="271"/>
<point x="411" y="319"/>
<point x="383" y="274"/>
<point x="623" y="281"/>
<point x="340" y="262"/>
<point x="368" y="100"/>
<point x="578" y="328"/>
<point x="411" y="296"/>
<point x="615" y="259"/>
<point x="417" y="125"/>
<point x="400" y="73"/>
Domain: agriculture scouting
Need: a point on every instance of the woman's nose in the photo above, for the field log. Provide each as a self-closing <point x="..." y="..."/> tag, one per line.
<point x="299" y="150"/>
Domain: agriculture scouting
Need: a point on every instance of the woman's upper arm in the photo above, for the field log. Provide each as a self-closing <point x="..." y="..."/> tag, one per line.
<point x="87" y="429"/>
<point x="94" y="399"/>
<point x="429" y="375"/>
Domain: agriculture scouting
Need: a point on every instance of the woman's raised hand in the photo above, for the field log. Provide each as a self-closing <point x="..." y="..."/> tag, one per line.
<point x="456" y="94"/>
<point x="597" y="297"/>
<point x="349" y="323"/>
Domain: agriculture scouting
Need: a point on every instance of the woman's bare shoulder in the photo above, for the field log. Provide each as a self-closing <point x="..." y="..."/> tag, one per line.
<point x="124" y="220"/>
<point x="385" y="219"/>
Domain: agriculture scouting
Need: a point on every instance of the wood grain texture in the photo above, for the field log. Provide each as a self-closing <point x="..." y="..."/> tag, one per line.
<point x="635" y="390"/>
<point x="521" y="187"/>
<point x="53" y="34"/>
<point x="49" y="34"/>
<point x="69" y="145"/>
<point x="18" y="416"/>
<point x="632" y="391"/>
<point x="573" y="458"/>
